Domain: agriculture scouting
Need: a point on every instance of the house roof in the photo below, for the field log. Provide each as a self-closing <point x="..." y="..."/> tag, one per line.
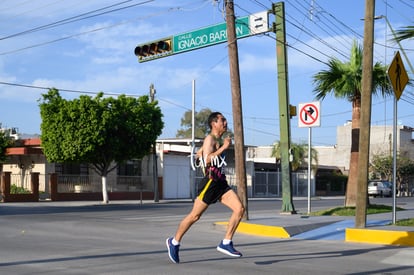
<point x="31" y="146"/>
<point x="179" y="140"/>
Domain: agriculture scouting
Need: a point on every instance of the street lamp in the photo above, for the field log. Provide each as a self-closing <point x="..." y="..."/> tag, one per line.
<point x="394" y="132"/>
<point x="395" y="38"/>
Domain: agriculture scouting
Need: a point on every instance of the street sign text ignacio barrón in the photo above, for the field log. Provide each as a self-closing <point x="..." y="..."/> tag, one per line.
<point x="245" y="26"/>
<point x="208" y="36"/>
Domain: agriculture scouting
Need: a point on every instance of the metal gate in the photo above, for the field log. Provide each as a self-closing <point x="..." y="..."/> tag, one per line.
<point x="269" y="184"/>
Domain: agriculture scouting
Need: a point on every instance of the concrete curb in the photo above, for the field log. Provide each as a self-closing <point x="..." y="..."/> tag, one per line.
<point x="395" y="237"/>
<point x="260" y="230"/>
<point x="387" y="237"/>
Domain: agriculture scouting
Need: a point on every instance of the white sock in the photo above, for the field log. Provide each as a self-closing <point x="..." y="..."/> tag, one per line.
<point x="226" y="241"/>
<point x="175" y="242"/>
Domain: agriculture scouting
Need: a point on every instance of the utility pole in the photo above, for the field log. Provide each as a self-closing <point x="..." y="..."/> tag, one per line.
<point x="236" y="106"/>
<point x="192" y="171"/>
<point x="365" y="123"/>
<point x="278" y="10"/>
<point x="154" y="154"/>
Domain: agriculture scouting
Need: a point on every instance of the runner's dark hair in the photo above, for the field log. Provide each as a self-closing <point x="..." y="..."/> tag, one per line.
<point x="213" y="117"/>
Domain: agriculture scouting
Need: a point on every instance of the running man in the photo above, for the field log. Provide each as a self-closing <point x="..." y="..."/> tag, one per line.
<point x="212" y="188"/>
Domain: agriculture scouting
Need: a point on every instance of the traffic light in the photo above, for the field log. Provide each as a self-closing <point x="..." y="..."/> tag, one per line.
<point x="292" y="111"/>
<point x="291" y="154"/>
<point x="153" y="50"/>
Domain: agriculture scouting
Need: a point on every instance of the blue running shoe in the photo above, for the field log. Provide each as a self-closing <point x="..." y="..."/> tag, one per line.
<point x="228" y="249"/>
<point x="173" y="251"/>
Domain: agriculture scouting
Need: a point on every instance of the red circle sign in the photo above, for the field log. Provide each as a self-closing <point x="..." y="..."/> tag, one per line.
<point x="309" y="114"/>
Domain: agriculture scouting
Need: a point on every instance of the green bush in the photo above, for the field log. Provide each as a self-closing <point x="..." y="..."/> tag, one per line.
<point x="14" y="189"/>
<point x="350" y="211"/>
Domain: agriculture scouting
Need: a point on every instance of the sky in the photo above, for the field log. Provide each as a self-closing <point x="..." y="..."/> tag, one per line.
<point x="84" y="47"/>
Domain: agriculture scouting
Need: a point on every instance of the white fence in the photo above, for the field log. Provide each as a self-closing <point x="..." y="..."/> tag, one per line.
<point x="23" y="180"/>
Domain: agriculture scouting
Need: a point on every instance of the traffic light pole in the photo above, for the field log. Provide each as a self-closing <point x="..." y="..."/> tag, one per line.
<point x="278" y="10"/>
<point x="154" y="154"/>
<point x="251" y="25"/>
<point x="236" y="106"/>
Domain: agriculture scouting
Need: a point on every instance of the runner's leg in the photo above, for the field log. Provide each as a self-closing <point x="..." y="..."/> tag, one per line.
<point x="198" y="209"/>
<point x="232" y="201"/>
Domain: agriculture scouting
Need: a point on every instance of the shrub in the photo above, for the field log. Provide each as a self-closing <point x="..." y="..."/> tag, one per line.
<point x="14" y="189"/>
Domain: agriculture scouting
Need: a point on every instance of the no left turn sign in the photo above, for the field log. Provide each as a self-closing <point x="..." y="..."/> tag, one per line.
<point x="309" y="114"/>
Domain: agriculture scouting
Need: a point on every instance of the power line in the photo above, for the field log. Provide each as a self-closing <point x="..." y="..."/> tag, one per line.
<point x="76" y="18"/>
<point x="96" y="29"/>
<point x="47" y="88"/>
<point x="325" y="28"/>
<point x="292" y="22"/>
<point x="87" y="92"/>
<point x="6" y="18"/>
<point x="407" y="4"/>
<point x="78" y="34"/>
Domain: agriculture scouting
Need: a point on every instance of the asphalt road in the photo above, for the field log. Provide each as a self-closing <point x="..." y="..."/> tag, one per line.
<point x="129" y="238"/>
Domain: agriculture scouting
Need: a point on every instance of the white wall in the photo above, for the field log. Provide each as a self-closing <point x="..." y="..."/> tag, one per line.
<point x="176" y="180"/>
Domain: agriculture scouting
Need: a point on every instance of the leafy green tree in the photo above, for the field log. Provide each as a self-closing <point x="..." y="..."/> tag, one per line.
<point x="201" y="124"/>
<point x="5" y="141"/>
<point x="343" y="80"/>
<point x="381" y="167"/>
<point x="299" y="155"/>
<point x="100" y="131"/>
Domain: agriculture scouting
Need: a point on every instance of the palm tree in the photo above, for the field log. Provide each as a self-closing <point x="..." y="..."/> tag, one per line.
<point x="404" y="33"/>
<point x="343" y="80"/>
<point x="299" y="154"/>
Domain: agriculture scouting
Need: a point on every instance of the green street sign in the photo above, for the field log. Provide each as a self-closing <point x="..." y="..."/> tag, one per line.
<point x="208" y="36"/>
<point x="245" y="26"/>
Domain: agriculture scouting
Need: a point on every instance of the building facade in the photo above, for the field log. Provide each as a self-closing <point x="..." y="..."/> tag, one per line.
<point x="381" y="143"/>
<point x="172" y="164"/>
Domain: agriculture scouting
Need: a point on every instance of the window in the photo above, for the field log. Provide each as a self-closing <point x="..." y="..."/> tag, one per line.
<point x="71" y="169"/>
<point x="130" y="168"/>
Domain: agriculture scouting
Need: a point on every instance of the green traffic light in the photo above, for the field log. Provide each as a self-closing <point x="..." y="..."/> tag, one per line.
<point x="163" y="46"/>
<point x="153" y="50"/>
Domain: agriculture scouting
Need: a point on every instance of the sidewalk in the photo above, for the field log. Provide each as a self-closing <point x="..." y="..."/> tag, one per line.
<point x="378" y="229"/>
<point x="295" y="226"/>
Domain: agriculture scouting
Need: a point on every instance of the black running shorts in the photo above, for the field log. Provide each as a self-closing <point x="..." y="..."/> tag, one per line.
<point x="210" y="191"/>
